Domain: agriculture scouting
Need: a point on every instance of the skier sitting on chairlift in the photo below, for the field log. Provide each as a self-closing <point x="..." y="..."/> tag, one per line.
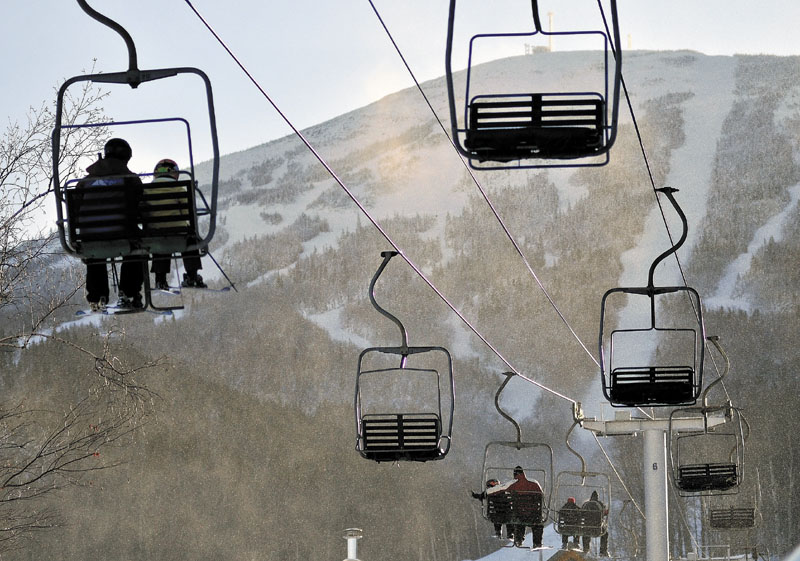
<point x="112" y="169"/>
<point x="498" y="527"/>
<point x="525" y="485"/>
<point x="165" y="172"/>
<point x="569" y="505"/>
<point x="594" y="503"/>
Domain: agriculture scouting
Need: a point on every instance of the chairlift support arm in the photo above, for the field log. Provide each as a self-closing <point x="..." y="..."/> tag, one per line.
<point x="500" y="410"/>
<point x="571" y="449"/>
<point x="668" y="191"/>
<point x="105" y="20"/>
<point x="537" y="22"/>
<point x="387" y="256"/>
<point x="714" y="339"/>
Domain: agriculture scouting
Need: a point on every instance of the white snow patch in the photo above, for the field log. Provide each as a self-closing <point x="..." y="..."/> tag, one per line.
<point x="550" y="538"/>
<point x="723" y="296"/>
<point x="331" y="322"/>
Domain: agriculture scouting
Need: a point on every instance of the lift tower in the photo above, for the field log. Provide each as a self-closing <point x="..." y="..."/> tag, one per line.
<point x="654" y="466"/>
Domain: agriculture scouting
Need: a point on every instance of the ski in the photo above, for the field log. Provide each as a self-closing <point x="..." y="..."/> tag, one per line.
<point x="115" y="311"/>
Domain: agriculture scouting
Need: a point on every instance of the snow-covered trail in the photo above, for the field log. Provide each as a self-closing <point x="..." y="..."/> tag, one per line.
<point x="691" y="166"/>
<point x="724" y="295"/>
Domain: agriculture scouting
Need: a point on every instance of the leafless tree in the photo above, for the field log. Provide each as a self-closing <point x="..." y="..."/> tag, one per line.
<point x="25" y="183"/>
<point x="44" y="450"/>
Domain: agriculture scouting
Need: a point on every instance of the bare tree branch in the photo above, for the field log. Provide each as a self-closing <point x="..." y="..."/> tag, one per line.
<point x="44" y="450"/>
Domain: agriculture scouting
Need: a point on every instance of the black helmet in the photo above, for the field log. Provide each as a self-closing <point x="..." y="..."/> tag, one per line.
<point x="118" y="149"/>
<point x="518" y="470"/>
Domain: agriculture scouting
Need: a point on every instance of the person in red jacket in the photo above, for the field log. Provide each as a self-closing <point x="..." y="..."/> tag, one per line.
<point x="525" y="487"/>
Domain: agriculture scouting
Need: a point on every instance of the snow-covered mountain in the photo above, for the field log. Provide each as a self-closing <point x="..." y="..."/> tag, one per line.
<point x="260" y="387"/>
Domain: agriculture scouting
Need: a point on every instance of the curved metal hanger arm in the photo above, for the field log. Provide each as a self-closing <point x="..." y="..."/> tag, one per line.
<point x="714" y="339"/>
<point x="387" y="256"/>
<point x="537" y="23"/>
<point x="571" y="449"/>
<point x="668" y="191"/>
<point x="505" y="415"/>
<point x="132" y="60"/>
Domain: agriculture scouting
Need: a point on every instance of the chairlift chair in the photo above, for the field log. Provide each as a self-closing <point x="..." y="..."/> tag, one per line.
<point x="647" y="361"/>
<point x="387" y="432"/>
<point x="580" y="485"/>
<point x="541" y="128"/>
<point x="83" y="228"/>
<point x="500" y="458"/>
<point x="708" y="460"/>
<point x="740" y="512"/>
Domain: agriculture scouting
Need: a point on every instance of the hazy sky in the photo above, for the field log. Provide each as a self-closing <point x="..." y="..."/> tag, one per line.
<point x="320" y="59"/>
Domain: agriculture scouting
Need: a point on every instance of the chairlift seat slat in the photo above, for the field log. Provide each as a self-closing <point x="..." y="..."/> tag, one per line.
<point x="515" y="507"/>
<point x="707" y="477"/>
<point x="99" y="224"/>
<point x="410" y="436"/>
<point x="731" y="518"/>
<point x="552" y="127"/>
<point x="580" y="522"/>
<point x="657" y="384"/>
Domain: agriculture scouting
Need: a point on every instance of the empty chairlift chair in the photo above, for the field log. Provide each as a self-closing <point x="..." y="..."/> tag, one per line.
<point x="403" y="413"/>
<point x="740" y="512"/>
<point x="653" y="356"/>
<point x="707" y="460"/>
<point x="505" y="129"/>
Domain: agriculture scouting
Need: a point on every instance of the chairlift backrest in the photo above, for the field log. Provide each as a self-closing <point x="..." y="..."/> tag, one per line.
<point x="537" y="128"/>
<point x="98" y="221"/>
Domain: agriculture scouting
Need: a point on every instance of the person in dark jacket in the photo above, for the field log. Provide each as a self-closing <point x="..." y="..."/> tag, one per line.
<point x="112" y="169"/>
<point x="594" y="503"/>
<point x="498" y="527"/>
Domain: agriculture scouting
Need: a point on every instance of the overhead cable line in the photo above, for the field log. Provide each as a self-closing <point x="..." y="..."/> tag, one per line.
<point x="510" y="237"/>
<point x="619" y="476"/>
<point x="484" y="194"/>
<point x="684" y="519"/>
<point x="366" y="213"/>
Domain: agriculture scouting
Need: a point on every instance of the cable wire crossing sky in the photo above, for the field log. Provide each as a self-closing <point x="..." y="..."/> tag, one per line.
<point x="319" y="60"/>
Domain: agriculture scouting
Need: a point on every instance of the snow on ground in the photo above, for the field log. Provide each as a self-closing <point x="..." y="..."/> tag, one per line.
<point x="690" y="170"/>
<point x="331" y="322"/>
<point x="550" y="538"/>
<point x="91" y="320"/>
<point x="723" y="296"/>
